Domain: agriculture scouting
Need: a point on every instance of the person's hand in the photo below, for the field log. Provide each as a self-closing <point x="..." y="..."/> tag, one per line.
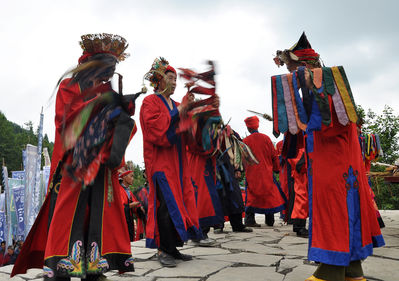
<point x="216" y="102"/>
<point x="134" y="204"/>
<point x="186" y="104"/>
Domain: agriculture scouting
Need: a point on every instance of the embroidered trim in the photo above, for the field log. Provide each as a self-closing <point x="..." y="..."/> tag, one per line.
<point x="48" y="271"/>
<point x="73" y="264"/>
<point x="351" y="179"/>
<point x="96" y="263"/>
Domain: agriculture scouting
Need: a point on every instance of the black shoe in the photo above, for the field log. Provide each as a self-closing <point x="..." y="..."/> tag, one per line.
<point x="253" y="224"/>
<point x="303" y="232"/>
<point x="166" y="260"/>
<point x="183" y="257"/>
<point x="245" y="229"/>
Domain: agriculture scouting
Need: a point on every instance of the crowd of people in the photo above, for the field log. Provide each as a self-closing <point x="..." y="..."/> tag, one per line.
<point x="193" y="164"/>
<point x="9" y="255"/>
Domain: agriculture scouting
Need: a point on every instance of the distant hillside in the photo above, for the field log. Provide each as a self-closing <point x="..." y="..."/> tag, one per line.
<point x="14" y="138"/>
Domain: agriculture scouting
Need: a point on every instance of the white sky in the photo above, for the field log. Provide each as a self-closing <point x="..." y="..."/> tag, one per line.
<point x="40" y="42"/>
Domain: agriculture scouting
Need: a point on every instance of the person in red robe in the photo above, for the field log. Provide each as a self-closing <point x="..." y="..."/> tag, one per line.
<point x="203" y="175"/>
<point x="172" y="213"/>
<point x="343" y="228"/>
<point x="132" y="207"/>
<point x="80" y="230"/>
<point x="293" y="179"/>
<point x="264" y="195"/>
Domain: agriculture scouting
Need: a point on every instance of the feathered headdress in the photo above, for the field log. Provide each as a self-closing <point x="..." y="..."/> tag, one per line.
<point x="103" y="43"/>
<point x="157" y="71"/>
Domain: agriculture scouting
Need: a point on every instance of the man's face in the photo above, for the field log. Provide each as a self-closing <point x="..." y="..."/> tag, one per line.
<point x="168" y="83"/>
<point x="128" y="179"/>
<point x="10" y="251"/>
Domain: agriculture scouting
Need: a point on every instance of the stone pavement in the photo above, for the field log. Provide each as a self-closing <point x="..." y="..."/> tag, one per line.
<point x="265" y="254"/>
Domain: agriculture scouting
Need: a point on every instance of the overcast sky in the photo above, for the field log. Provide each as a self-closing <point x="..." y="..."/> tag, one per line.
<point x="39" y="42"/>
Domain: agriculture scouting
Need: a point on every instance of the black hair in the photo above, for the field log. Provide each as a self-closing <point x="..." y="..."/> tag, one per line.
<point x="99" y="66"/>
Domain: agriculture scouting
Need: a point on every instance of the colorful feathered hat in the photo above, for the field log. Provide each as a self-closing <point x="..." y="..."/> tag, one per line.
<point x="103" y="43"/>
<point x="301" y="52"/>
<point x="158" y="69"/>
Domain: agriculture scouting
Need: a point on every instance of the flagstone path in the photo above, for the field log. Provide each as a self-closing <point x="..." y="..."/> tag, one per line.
<point x="265" y="254"/>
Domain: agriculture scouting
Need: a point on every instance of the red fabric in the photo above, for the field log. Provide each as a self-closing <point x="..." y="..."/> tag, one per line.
<point x="301" y="203"/>
<point x="170" y="68"/>
<point x="306" y="54"/>
<point x="275" y="110"/>
<point x="87" y="55"/>
<point x="261" y="190"/>
<point x="125" y="173"/>
<point x="197" y="162"/>
<point x="339" y="145"/>
<point x="161" y="156"/>
<point x="125" y="201"/>
<point x="252" y="122"/>
<point x="44" y="241"/>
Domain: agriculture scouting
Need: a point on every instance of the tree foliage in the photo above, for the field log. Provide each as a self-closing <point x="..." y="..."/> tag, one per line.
<point x="138" y="175"/>
<point x="14" y="138"/>
<point x="386" y="126"/>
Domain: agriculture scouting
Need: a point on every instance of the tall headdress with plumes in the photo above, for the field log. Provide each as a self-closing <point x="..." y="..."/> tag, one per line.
<point x="101" y="43"/>
<point x="157" y="71"/>
<point x="301" y="52"/>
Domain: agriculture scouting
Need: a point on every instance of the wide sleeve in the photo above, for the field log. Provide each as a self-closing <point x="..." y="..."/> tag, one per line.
<point x="158" y="125"/>
<point x="274" y="155"/>
<point x="65" y="95"/>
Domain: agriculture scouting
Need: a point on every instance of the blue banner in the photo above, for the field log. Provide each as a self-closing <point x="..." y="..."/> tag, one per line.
<point x="2" y="226"/>
<point x="7" y="203"/>
<point x="37" y="191"/>
<point x="30" y="172"/>
<point x="19" y="197"/>
<point x="18" y="175"/>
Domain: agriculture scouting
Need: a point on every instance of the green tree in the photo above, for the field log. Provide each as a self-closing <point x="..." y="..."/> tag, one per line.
<point x="138" y="175"/>
<point x="386" y="126"/>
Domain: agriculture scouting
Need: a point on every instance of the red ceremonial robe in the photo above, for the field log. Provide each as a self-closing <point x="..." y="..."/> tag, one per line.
<point x="56" y="239"/>
<point x="203" y="169"/>
<point x="342" y="223"/>
<point x="136" y="230"/>
<point x="167" y="169"/>
<point x="264" y="195"/>
<point x="299" y="174"/>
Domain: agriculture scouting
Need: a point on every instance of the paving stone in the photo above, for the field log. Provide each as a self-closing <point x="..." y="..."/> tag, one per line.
<point x="144" y="256"/>
<point x="246" y="258"/>
<point x="202" y="251"/>
<point x="297" y="250"/>
<point x="288" y="265"/>
<point x="140" y="243"/>
<point x="246" y="246"/>
<point x="380" y="268"/>
<point x="288" y="239"/>
<point x="247" y="273"/>
<point x="300" y="272"/>
<point x="32" y="273"/>
<point x="391" y="240"/>
<point x="179" y="279"/>
<point x="6" y="269"/>
<point x="149" y="265"/>
<point x="386" y="252"/>
<point x="194" y="268"/>
<point x="135" y="278"/>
